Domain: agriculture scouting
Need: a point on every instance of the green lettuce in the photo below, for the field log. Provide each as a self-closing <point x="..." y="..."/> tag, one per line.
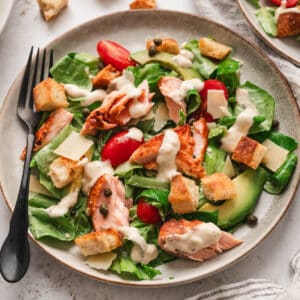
<point x="193" y="101"/>
<point x="266" y="19"/>
<point x="214" y="158"/>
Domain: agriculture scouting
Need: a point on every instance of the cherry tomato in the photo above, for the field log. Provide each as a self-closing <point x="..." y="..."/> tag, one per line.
<point x="289" y="3"/>
<point x="148" y="213"/>
<point x="114" y="54"/>
<point x="119" y="148"/>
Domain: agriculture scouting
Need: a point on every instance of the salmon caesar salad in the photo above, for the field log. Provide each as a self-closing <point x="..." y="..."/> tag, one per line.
<point x="278" y="18"/>
<point x="144" y="157"/>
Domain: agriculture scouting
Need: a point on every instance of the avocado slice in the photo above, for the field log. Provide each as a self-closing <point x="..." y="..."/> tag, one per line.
<point x="166" y="60"/>
<point x="249" y="186"/>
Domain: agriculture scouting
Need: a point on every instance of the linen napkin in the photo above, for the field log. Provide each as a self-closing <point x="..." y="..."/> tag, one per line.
<point x="227" y="12"/>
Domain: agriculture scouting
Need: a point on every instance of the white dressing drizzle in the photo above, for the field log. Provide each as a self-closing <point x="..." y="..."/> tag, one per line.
<point x="184" y="59"/>
<point x="166" y="158"/>
<point x="63" y="206"/>
<point x="194" y="239"/>
<point x="283" y="10"/>
<point x="135" y="134"/>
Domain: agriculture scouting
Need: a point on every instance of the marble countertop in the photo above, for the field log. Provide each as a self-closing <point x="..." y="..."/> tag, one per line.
<point x="48" y="279"/>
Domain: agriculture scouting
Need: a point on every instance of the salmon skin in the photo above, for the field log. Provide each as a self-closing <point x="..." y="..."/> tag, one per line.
<point x="227" y="241"/>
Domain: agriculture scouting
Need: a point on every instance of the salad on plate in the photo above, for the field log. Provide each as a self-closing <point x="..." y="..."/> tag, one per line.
<point x="144" y="157"/>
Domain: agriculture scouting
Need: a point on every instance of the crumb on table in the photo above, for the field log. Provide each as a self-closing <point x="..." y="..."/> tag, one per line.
<point x="143" y="4"/>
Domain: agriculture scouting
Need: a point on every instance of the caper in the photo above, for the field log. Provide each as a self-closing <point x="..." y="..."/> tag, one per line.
<point x="86" y="112"/>
<point x="157" y="42"/>
<point x="152" y="50"/>
<point x="107" y="192"/>
<point x="275" y="124"/>
<point x="103" y="210"/>
<point x="251" y="220"/>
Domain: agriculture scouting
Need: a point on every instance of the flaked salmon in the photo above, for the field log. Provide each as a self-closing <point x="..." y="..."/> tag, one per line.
<point x="200" y="136"/>
<point x="174" y="228"/>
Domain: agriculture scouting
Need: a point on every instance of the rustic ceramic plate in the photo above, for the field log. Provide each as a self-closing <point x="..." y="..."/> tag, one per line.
<point x="288" y="48"/>
<point x="131" y="29"/>
<point x="5" y="9"/>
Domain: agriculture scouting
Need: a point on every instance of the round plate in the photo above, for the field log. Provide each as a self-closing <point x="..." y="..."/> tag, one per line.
<point x="132" y="29"/>
<point x="288" y="48"/>
<point x="5" y="9"/>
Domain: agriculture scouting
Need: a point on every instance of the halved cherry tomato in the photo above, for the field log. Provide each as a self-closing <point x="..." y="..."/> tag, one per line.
<point x="114" y="54"/>
<point x="119" y="148"/>
<point x="289" y="3"/>
<point x="148" y="213"/>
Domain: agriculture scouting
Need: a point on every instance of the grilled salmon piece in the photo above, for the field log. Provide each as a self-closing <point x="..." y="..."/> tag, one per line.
<point x="288" y="24"/>
<point x="101" y="241"/>
<point x="178" y="227"/>
<point x="200" y="136"/>
<point x="167" y="86"/>
<point x="56" y="121"/>
<point x="106" y="203"/>
<point x="105" y="76"/>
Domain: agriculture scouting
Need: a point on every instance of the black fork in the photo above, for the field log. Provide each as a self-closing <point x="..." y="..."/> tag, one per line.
<point x="15" y="252"/>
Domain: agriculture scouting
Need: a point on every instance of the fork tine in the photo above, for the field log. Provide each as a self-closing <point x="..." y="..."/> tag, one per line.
<point x="50" y="62"/>
<point x="34" y="76"/>
<point x="24" y="85"/>
<point x="43" y="65"/>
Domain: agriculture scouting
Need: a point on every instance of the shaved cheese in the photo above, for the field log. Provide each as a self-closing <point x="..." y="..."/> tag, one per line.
<point x="161" y="117"/>
<point x="36" y="187"/>
<point x="274" y="156"/>
<point x="228" y="169"/>
<point x="101" y="261"/>
<point x="217" y="104"/>
<point x="74" y="146"/>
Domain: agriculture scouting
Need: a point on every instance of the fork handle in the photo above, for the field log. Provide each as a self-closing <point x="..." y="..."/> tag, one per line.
<point x="15" y="252"/>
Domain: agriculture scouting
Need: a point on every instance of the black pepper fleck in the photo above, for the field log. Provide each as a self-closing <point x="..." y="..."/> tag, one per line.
<point x="103" y="210"/>
<point x="107" y="192"/>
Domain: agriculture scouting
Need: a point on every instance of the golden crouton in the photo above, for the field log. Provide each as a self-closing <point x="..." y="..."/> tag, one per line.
<point x="49" y="95"/>
<point x="288" y="24"/>
<point x="51" y="8"/>
<point x="105" y="76"/>
<point x="213" y="49"/>
<point x="164" y="45"/>
<point x="143" y="4"/>
<point x="101" y="241"/>
<point x="184" y="195"/>
<point x="249" y="152"/>
<point x="63" y="171"/>
<point x="217" y="187"/>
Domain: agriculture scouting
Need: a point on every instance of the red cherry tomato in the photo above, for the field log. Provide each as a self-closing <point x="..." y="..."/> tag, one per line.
<point x="148" y="213"/>
<point x="289" y="3"/>
<point x="114" y="54"/>
<point x="119" y="148"/>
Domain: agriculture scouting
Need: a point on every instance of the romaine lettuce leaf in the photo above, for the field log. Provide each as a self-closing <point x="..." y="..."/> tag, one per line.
<point x="266" y="18"/>
<point x="214" y="158"/>
<point x="193" y="101"/>
<point x="91" y="61"/>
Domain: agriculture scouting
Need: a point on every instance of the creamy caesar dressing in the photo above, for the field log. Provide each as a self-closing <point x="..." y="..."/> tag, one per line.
<point x="138" y="109"/>
<point x="283" y="10"/>
<point x="93" y="171"/>
<point x="243" y="122"/>
<point x="184" y="59"/>
<point x="166" y="158"/>
<point x="194" y="239"/>
<point x="63" y="206"/>
<point x="141" y="252"/>
<point x="135" y="134"/>
<point x="178" y="95"/>
<point x="74" y="91"/>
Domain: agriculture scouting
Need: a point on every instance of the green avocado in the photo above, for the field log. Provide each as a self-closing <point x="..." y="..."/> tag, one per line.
<point x="166" y="60"/>
<point x="249" y="186"/>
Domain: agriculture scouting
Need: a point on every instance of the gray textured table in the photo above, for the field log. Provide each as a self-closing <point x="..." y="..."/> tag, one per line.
<point x="46" y="278"/>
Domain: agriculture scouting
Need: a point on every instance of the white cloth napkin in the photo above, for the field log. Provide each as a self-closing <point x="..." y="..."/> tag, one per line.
<point x="227" y="12"/>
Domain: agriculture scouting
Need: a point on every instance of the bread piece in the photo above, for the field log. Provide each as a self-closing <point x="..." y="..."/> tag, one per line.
<point x="213" y="49"/>
<point x="184" y="195"/>
<point x="143" y="4"/>
<point x="101" y="241"/>
<point x="49" y="95"/>
<point x="249" y="152"/>
<point x="167" y="45"/>
<point x="105" y="76"/>
<point x="51" y="8"/>
<point x="217" y="187"/>
<point x="288" y="24"/>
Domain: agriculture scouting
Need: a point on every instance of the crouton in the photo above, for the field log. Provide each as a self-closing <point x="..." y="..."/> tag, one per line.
<point x="184" y="195"/>
<point x="49" y="95"/>
<point x="105" y="76"/>
<point x="164" y="45"/>
<point x="217" y="187"/>
<point x="143" y="4"/>
<point x="213" y="49"/>
<point x="51" y="8"/>
<point x="101" y="241"/>
<point x="249" y="152"/>
<point x="288" y="24"/>
<point x="63" y="171"/>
